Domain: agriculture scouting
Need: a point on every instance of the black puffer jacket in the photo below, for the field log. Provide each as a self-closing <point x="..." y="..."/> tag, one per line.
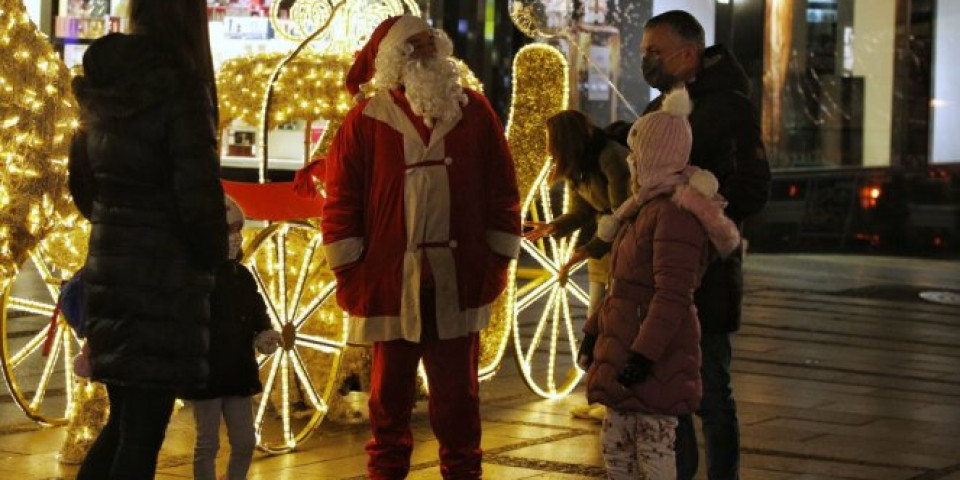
<point x="144" y="170"/>
<point x="727" y="142"/>
<point x="237" y="315"/>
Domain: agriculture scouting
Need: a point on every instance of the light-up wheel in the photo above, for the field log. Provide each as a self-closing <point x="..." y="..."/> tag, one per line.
<point x="37" y="353"/>
<point x="287" y="261"/>
<point x="548" y="312"/>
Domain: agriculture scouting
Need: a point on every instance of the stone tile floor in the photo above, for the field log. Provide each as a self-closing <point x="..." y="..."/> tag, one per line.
<point x="840" y="372"/>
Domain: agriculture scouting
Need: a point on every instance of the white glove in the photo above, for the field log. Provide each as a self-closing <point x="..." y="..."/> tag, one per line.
<point x="267" y="341"/>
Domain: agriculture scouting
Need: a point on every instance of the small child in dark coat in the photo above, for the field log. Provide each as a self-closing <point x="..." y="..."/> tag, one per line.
<point x="239" y="325"/>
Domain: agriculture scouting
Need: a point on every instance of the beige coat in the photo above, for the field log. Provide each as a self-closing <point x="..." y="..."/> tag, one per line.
<point x="599" y="194"/>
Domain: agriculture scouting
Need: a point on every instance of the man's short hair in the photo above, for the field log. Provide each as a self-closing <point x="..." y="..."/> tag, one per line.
<point x="684" y="24"/>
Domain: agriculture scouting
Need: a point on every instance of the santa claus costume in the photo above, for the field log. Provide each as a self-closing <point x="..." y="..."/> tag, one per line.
<point x="421" y="219"/>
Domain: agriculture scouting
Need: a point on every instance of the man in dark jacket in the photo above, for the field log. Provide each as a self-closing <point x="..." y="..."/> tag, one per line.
<point x="726" y="141"/>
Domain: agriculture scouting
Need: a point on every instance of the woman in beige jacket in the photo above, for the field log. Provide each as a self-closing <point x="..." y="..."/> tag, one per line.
<point x="595" y="170"/>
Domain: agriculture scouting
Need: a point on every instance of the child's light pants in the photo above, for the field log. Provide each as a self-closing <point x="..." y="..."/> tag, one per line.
<point x="639" y="446"/>
<point x="238" y="414"/>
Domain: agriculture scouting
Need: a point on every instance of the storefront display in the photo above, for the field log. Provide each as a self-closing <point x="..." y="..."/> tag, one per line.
<point x="77" y="23"/>
<point x="241" y="28"/>
<point x="248" y="38"/>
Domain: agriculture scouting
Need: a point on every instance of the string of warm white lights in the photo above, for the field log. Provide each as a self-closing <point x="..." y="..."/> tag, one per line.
<point x="87" y="416"/>
<point x="37" y="219"/>
<point x="263" y="147"/>
<point x="310" y="88"/>
<point x="540" y="90"/>
<point x="349" y="29"/>
<point x="38" y="118"/>
<point x="291" y="273"/>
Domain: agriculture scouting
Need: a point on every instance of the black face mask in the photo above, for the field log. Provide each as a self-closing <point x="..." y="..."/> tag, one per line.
<point x="655" y="76"/>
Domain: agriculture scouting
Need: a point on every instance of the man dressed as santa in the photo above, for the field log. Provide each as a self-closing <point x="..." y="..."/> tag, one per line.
<point x="421" y="219"/>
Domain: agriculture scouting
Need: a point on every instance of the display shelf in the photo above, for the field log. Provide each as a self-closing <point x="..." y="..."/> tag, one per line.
<point x="58" y="41"/>
<point x="87" y="28"/>
<point x="75" y="24"/>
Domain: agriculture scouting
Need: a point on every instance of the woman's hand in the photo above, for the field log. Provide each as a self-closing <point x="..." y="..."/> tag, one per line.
<point x="540" y="230"/>
<point x="578" y="256"/>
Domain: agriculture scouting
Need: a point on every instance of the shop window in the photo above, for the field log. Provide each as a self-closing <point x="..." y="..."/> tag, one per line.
<point x="861" y="83"/>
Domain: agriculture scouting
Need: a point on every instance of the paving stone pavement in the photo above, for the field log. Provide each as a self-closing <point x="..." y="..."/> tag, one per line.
<point x="841" y="372"/>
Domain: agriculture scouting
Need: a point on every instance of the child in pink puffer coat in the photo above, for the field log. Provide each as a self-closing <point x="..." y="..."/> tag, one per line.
<point x="641" y="349"/>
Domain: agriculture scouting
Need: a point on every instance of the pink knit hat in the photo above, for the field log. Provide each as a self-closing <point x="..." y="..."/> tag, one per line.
<point x="659" y="161"/>
<point x="661" y="141"/>
<point x="660" y="144"/>
<point x="390" y="32"/>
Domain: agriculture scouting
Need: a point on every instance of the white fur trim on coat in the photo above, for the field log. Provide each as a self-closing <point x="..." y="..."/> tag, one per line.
<point x="406" y="27"/>
<point x="503" y="243"/>
<point x="607" y="227"/>
<point x="343" y="252"/>
<point x="677" y="103"/>
<point x="366" y="330"/>
<point x="723" y="233"/>
<point x="705" y="183"/>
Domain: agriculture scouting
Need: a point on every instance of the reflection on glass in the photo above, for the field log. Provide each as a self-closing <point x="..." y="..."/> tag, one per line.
<point x="849" y="83"/>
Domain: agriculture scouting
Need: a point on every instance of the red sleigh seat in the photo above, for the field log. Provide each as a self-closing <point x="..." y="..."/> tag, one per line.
<point x="279" y="201"/>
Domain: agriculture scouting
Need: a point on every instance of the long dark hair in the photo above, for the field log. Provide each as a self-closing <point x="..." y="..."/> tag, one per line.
<point x="181" y="27"/>
<point x="572" y="136"/>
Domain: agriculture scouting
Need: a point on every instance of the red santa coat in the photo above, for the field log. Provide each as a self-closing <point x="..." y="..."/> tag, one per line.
<point x="394" y="200"/>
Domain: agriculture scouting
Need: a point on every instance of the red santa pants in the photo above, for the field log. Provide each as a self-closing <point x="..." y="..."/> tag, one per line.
<point x="454" y="401"/>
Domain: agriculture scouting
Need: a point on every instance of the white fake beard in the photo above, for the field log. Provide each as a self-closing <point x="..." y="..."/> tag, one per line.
<point x="433" y="89"/>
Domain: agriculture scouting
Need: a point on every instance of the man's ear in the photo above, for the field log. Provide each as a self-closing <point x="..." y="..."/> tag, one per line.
<point x="690" y="53"/>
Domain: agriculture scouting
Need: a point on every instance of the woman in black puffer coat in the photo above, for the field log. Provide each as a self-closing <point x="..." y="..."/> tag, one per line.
<point x="144" y="171"/>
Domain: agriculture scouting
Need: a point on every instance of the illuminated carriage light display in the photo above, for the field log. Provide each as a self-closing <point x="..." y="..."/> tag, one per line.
<point x="285" y="257"/>
<point x="540" y="90"/>
<point x="349" y="29"/>
<point x="288" y="266"/>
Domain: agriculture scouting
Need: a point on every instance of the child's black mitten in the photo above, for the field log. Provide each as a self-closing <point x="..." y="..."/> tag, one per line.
<point x="585" y="355"/>
<point x="636" y="370"/>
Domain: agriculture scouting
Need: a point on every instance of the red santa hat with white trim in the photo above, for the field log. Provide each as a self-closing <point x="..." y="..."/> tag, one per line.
<point x="390" y="33"/>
